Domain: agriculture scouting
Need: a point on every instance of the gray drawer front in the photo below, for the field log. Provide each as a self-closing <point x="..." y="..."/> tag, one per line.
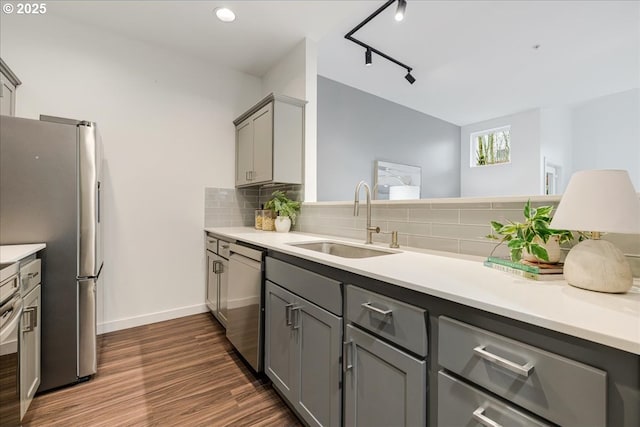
<point x="458" y="401"/>
<point x="212" y="243"/>
<point x="30" y="275"/>
<point x="318" y="289"/>
<point x="558" y="389"/>
<point x="224" y="249"/>
<point x="405" y="325"/>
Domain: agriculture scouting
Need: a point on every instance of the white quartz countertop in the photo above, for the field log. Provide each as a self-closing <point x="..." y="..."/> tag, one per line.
<point x="609" y="319"/>
<point x="14" y="253"/>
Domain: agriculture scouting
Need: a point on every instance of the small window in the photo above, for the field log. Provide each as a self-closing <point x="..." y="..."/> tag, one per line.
<point x="491" y="147"/>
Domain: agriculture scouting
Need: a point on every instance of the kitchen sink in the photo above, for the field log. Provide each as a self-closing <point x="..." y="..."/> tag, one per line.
<point x="343" y="250"/>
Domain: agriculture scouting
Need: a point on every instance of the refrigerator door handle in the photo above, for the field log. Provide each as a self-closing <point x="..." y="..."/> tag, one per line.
<point x="98" y="208"/>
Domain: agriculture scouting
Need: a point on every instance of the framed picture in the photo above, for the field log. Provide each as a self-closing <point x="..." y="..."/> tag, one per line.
<point x="396" y="181"/>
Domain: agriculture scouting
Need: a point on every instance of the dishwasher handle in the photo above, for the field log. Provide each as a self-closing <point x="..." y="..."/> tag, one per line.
<point x="246" y="252"/>
<point x="238" y="258"/>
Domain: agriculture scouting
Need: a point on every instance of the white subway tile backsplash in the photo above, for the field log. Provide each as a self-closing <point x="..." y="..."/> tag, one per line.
<point x="414" y="228"/>
<point x="448" y="226"/>
<point x="229" y="207"/>
<point x="484" y="249"/>
<point x="434" y="243"/>
<point x="443" y="216"/>
<point x="462" y="205"/>
<point x="473" y="232"/>
<point x="479" y="216"/>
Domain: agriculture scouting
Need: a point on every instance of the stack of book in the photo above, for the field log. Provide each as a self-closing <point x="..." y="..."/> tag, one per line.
<point x="528" y="270"/>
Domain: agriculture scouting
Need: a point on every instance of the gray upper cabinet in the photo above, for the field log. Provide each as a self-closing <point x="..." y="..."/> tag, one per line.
<point x="269" y="142"/>
<point x="302" y="355"/>
<point x="9" y="82"/>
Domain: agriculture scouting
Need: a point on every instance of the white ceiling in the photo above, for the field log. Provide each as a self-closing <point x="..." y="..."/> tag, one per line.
<point x="473" y="60"/>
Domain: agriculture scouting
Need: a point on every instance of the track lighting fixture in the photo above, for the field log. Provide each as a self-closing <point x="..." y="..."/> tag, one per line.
<point x="399" y="16"/>
<point x="367" y="57"/>
<point x="410" y="78"/>
<point x="402" y="5"/>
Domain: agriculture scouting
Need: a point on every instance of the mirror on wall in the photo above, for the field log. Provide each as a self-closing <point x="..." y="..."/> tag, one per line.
<point x="567" y="88"/>
<point x="395" y="181"/>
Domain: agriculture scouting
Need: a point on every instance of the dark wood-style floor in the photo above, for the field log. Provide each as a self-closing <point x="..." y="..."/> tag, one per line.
<point x="181" y="372"/>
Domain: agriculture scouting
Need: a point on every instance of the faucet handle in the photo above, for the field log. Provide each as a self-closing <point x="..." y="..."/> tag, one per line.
<point x="394" y="240"/>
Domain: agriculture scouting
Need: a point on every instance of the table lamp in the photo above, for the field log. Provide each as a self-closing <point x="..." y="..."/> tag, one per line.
<point x="598" y="201"/>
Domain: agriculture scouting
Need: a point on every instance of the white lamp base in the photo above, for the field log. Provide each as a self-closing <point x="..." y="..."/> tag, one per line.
<point x="597" y="265"/>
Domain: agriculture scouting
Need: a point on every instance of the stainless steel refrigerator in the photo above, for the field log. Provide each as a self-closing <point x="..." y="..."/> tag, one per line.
<point x="50" y="184"/>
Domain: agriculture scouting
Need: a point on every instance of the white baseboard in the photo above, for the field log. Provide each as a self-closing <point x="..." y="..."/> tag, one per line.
<point x="145" y="319"/>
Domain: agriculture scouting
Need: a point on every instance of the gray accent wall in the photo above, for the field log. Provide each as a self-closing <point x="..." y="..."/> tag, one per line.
<point x="355" y="128"/>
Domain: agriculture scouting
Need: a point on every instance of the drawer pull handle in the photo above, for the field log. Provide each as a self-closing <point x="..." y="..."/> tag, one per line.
<point x="368" y="306"/>
<point x="522" y="370"/>
<point x="480" y="417"/>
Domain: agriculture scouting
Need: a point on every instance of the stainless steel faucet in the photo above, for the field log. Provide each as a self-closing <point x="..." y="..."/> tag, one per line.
<point x="356" y="207"/>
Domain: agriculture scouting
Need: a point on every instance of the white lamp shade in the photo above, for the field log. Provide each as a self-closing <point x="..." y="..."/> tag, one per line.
<point x="599" y="200"/>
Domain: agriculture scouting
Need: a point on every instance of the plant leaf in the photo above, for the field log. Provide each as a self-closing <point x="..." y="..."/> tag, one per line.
<point x="544" y="211"/>
<point x="516" y="244"/>
<point x="538" y="251"/>
<point x="516" y="254"/>
<point x="496" y="226"/>
<point x="527" y="209"/>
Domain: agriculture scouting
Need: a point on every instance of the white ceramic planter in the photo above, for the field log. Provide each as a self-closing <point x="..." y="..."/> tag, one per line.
<point x="553" y="250"/>
<point x="283" y="224"/>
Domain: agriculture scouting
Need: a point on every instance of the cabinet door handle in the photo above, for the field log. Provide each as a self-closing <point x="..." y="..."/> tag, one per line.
<point x="522" y="370"/>
<point x="480" y="417"/>
<point x="370" y="307"/>
<point x="35" y="316"/>
<point x="296" y="322"/>
<point x="347" y="355"/>
<point x="30" y="326"/>
<point x="287" y="314"/>
<point x="246" y="176"/>
<point x="217" y="267"/>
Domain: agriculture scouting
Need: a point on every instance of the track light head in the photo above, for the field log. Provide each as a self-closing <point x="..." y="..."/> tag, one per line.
<point x="367" y="57"/>
<point x="402" y="5"/>
<point x="410" y="78"/>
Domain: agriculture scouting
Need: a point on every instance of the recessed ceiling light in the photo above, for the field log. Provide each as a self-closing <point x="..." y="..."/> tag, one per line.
<point x="225" y="14"/>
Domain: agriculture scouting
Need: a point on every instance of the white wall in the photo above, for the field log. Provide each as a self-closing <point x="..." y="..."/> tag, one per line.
<point x="166" y="123"/>
<point x="296" y="75"/>
<point x="556" y="144"/>
<point x="606" y="134"/>
<point x="521" y="176"/>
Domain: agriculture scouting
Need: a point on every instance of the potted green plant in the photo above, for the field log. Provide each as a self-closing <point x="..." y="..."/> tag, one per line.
<point x="285" y="208"/>
<point x="533" y="239"/>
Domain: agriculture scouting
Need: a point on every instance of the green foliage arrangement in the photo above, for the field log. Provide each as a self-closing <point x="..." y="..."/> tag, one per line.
<point x="522" y="235"/>
<point x="283" y="206"/>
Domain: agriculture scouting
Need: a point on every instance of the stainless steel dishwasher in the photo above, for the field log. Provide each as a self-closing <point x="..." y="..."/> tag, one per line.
<point x="245" y="303"/>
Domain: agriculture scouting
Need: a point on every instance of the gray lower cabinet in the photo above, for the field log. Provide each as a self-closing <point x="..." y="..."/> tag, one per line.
<point x="553" y="387"/>
<point x="383" y="385"/>
<point x="460" y="404"/>
<point x="30" y="349"/>
<point x="302" y="355"/>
